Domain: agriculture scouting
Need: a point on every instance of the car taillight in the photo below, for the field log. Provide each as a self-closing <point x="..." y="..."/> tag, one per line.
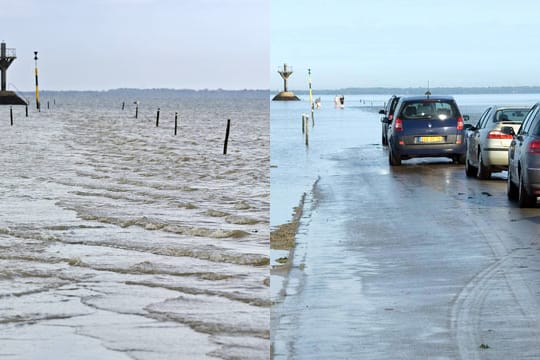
<point x="497" y="134"/>
<point x="398" y="125"/>
<point x="534" y="147"/>
<point x="460" y="123"/>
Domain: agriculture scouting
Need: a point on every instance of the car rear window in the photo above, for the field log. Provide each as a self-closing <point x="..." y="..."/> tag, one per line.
<point x="427" y="109"/>
<point x="510" y="115"/>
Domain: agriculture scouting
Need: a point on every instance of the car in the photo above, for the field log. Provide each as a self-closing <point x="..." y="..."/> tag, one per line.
<point x="523" y="183"/>
<point x="426" y="126"/>
<point x="388" y="113"/>
<point x="487" y="146"/>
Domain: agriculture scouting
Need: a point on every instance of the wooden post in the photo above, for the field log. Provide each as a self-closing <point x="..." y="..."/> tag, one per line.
<point x="11" y="114"/>
<point x="175" y="122"/>
<point x="48" y="104"/>
<point x="157" y="118"/>
<point x="303" y="123"/>
<point x="123" y="104"/>
<point x="26" y="110"/>
<point x="226" y="136"/>
<point x="307" y="130"/>
<point x="136" y="109"/>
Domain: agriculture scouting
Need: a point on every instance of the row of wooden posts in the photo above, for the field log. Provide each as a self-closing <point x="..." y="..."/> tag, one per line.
<point x="157" y="122"/>
<point x="176" y="124"/>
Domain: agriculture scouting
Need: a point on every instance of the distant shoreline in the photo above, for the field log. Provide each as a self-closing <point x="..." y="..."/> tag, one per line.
<point x="151" y="91"/>
<point x="422" y="90"/>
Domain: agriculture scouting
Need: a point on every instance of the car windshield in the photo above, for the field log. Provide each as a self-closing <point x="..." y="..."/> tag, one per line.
<point x="428" y="110"/>
<point x="510" y="115"/>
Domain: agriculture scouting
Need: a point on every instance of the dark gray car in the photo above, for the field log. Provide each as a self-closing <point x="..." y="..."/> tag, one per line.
<point x="388" y="115"/>
<point x="524" y="160"/>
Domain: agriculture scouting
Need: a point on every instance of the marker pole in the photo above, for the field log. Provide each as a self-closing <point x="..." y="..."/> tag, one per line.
<point x="37" y="87"/>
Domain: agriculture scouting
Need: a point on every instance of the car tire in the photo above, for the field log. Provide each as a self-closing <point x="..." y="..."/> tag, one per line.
<point x="483" y="172"/>
<point x="393" y="160"/>
<point x="470" y="170"/>
<point x="511" y="188"/>
<point x="524" y="199"/>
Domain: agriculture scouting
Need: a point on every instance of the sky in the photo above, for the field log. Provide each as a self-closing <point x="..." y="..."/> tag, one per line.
<point x="110" y="44"/>
<point x="400" y="43"/>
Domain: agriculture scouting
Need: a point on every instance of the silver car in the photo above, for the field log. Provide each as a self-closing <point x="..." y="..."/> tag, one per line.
<point x="487" y="146"/>
<point x="524" y="160"/>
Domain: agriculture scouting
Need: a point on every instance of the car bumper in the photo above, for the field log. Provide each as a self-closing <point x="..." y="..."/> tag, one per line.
<point x="533" y="180"/>
<point x="432" y="150"/>
<point x="495" y="157"/>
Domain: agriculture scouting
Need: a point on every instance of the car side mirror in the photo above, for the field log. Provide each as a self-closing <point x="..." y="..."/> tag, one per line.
<point x="468" y="127"/>
<point x="382" y="112"/>
<point x="508" y="130"/>
<point x="466" y="118"/>
<point x="386" y="120"/>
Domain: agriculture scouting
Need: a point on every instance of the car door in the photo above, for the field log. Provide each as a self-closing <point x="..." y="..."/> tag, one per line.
<point x="516" y="146"/>
<point x="473" y="137"/>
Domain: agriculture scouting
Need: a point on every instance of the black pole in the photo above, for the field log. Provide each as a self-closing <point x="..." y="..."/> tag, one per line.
<point x="226" y="137"/>
<point x="11" y="114"/>
<point x="26" y="110"/>
<point x="175" y="122"/>
<point x="123" y="104"/>
<point x="157" y="118"/>
<point x="47" y="104"/>
<point x="136" y="109"/>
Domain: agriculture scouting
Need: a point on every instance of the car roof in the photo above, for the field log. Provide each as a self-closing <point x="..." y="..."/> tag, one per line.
<point x="504" y="107"/>
<point x="424" y="97"/>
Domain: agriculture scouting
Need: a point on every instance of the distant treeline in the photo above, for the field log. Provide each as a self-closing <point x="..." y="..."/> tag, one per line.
<point x="135" y="93"/>
<point x="422" y="90"/>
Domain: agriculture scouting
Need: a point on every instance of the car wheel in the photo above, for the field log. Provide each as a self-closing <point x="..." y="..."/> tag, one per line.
<point x="470" y="170"/>
<point x="393" y="160"/>
<point x="483" y="172"/>
<point x="524" y="199"/>
<point x="511" y="188"/>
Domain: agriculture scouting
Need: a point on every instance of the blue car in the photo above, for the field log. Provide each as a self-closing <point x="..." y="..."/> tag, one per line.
<point x="426" y="126"/>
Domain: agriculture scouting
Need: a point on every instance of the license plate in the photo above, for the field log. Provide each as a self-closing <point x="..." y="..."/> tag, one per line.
<point x="429" y="139"/>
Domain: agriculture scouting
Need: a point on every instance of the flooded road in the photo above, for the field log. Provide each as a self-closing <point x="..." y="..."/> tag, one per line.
<point x="410" y="262"/>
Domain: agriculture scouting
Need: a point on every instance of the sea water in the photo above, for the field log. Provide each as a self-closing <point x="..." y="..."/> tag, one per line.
<point x="120" y="240"/>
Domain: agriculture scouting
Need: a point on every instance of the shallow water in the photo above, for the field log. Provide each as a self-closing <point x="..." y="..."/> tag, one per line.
<point x="120" y="240"/>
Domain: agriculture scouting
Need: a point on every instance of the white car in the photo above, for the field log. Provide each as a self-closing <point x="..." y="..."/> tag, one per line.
<point x="487" y="146"/>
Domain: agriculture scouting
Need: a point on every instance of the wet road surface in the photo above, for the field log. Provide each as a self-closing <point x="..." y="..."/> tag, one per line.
<point x="410" y="262"/>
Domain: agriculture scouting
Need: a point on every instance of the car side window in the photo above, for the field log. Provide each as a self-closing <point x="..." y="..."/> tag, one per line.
<point x="536" y="130"/>
<point x="535" y="123"/>
<point x="481" y="123"/>
<point x="524" y="129"/>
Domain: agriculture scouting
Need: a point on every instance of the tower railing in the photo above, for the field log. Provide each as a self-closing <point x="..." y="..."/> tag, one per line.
<point x="10" y="52"/>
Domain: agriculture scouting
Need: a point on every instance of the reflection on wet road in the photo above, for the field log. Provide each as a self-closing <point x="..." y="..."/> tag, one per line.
<point x="410" y="262"/>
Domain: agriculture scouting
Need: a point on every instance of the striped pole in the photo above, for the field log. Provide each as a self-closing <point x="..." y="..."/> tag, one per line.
<point x="37" y="88"/>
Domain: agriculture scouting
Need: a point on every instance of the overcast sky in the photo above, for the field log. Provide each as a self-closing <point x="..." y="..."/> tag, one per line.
<point x="400" y="43"/>
<point x="107" y="44"/>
